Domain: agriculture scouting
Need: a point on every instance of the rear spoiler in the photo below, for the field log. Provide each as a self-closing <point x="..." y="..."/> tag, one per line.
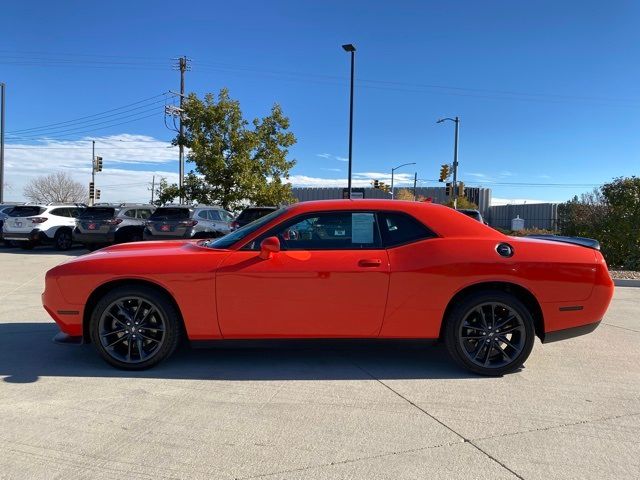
<point x="581" y="241"/>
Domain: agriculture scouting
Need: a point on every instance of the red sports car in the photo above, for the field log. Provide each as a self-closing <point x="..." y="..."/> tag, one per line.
<point x="336" y="269"/>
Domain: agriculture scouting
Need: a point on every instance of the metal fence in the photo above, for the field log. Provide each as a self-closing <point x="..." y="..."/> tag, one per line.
<point x="535" y="215"/>
<point x="480" y="196"/>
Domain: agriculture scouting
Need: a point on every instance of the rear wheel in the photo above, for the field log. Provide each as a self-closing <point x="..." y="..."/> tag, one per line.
<point x="490" y="333"/>
<point x="62" y="239"/>
<point x="134" y="327"/>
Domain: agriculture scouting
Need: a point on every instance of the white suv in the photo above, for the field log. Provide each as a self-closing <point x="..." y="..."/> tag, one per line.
<point x="31" y="225"/>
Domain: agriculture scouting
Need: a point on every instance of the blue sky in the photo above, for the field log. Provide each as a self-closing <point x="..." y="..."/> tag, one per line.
<point x="548" y="92"/>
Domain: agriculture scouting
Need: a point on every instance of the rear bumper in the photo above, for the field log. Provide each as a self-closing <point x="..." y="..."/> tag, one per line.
<point x="567" y="333"/>
<point x="34" y="236"/>
<point x="91" y="238"/>
<point x="147" y="235"/>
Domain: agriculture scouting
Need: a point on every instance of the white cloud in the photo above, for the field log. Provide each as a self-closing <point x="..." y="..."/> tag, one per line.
<point x="330" y="156"/>
<point x="117" y="183"/>
<point x="332" y="169"/>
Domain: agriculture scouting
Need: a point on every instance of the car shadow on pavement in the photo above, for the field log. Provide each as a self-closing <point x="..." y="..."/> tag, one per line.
<point x="27" y="353"/>
<point x="45" y="250"/>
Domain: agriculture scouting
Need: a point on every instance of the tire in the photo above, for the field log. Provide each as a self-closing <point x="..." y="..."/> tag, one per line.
<point x="490" y="333"/>
<point x="63" y="240"/>
<point x="128" y="345"/>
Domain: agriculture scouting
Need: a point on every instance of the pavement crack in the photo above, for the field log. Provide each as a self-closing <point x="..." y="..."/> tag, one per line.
<point x="622" y="328"/>
<point x="465" y="439"/>
<point x="552" y="427"/>
<point x="351" y="460"/>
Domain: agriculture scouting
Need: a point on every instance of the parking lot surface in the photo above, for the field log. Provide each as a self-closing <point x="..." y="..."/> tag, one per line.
<point x="357" y="410"/>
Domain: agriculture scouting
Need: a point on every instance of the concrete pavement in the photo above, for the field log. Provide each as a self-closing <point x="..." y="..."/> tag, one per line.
<point x="358" y="410"/>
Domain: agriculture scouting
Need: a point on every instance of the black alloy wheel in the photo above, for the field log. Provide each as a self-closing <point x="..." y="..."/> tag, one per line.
<point x="63" y="240"/>
<point x="490" y="333"/>
<point x="135" y="327"/>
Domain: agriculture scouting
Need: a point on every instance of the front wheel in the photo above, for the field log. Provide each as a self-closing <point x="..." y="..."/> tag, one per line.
<point x="490" y="333"/>
<point x="134" y="327"/>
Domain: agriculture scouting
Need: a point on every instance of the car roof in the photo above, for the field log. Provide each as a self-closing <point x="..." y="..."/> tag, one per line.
<point x="443" y="220"/>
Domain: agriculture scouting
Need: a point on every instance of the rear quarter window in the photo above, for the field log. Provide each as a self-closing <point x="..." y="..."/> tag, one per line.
<point x="401" y="228"/>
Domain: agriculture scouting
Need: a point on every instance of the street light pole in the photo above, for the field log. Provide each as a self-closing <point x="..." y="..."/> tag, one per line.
<point x="455" y="120"/>
<point x="392" y="175"/>
<point x="351" y="49"/>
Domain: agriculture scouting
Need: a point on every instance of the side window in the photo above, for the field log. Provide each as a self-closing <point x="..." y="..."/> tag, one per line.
<point x="327" y="231"/>
<point x="400" y="228"/>
<point x="60" y="212"/>
<point x="130" y="214"/>
<point x="226" y="216"/>
<point x="203" y="214"/>
<point x="214" y="215"/>
<point x="75" y="212"/>
<point x="143" y="213"/>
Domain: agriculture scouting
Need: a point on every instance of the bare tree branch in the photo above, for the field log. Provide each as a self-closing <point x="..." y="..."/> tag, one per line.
<point x="57" y="187"/>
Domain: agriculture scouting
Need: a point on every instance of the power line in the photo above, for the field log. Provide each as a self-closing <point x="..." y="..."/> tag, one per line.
<point x="68" y="135"/>
<point x="91" y="116"/>
<point x="60" y="130"/>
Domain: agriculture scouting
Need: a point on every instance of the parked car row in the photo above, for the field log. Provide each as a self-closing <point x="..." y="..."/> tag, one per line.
<point x="62" y="225"/>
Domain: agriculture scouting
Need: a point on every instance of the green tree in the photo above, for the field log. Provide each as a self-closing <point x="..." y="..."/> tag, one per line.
<point x="235" y="161"/>
<point x="463" y="202"/>
<point x="610" y="214"/>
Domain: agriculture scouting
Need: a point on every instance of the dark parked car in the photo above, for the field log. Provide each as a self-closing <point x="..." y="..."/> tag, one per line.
<point x="475" y="214"/>
<point x="111" y="223"/>
<point x="184" y="221"/>
<point x="250" y="214"/>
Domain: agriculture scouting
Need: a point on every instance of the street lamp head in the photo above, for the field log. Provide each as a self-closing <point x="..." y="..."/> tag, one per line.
<point x="441" y="120"/>
<point x="348" y="48"/>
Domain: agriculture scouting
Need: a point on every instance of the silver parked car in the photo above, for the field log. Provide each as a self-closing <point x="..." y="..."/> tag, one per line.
<point x="187" y="221"/>
<point x="104" y="224"/>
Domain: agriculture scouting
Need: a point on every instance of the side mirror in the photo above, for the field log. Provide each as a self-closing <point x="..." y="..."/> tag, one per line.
<point x="268" y="247"/>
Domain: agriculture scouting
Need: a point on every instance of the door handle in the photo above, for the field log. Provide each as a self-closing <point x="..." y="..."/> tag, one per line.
<point x="370" y="262"/>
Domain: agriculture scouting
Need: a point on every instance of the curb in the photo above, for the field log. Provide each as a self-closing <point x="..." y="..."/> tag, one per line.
<point x="620" y="282"/>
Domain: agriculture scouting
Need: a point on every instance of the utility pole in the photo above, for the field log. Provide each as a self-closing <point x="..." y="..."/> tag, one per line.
<point x="153" y="188"/>
<point x="2" y="88"/>
<point x="182" y="65"/>
<point x="415" y="181"/>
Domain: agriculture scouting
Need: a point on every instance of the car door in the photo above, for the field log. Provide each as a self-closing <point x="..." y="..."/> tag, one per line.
<point x="330" y="279"/>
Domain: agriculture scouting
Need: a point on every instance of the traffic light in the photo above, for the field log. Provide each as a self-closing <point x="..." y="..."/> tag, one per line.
<point x="447" y="189"/>
<point x="92" y="190"/>
<point x="460" y="189"/>
<point x="98" y="164"/>
<point x="376" y="184"/>
<point x="444" y="172"/>
<point x="97" y="194"/>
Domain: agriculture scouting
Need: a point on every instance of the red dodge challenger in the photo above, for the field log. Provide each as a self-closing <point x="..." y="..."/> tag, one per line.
<point x="336" y="269"/>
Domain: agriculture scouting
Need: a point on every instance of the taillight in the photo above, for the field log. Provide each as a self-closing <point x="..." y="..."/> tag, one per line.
<point x="234" y="225"/>
<point x="114" y="221"/>
<point x="38" y="219"/>
<point x="189" y="223"/>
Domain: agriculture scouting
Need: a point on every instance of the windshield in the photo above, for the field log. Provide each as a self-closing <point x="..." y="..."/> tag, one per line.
<point x="233" y="237"/>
